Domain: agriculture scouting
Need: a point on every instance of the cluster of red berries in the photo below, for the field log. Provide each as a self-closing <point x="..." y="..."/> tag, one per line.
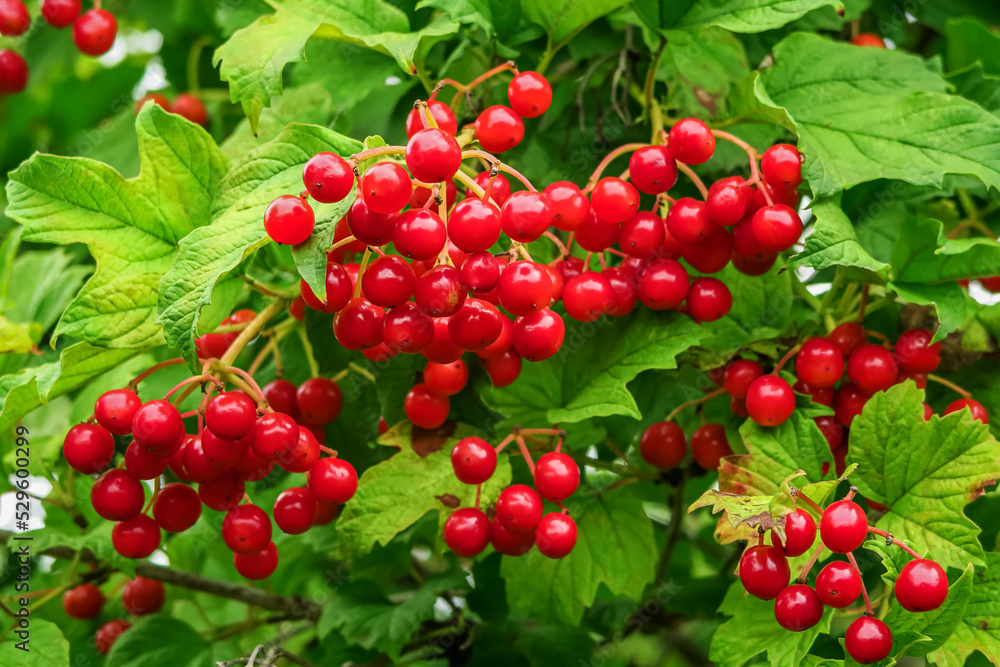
<point x="185" y="105"/>
<point x="140" y="596"/>
<point x="93" y="33"/>
<point x="764" y="572"/>
<point x="663" y="445"/>
<point x="518" y="521"/>
<point x="241" y="442"/>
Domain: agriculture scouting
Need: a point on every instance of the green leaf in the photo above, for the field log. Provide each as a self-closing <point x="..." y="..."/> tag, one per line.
<point x="614" y="548"/>
<point x="393" y="381"/>
<point x="309" y="104"/>
<point x="970" y="41"/>
<point x="974" y="84"/>
<point x="489" y="15"/>
<point x="979" y="630"/>
<point x="924" y="472"/>
<point x="865" y="114"/>
<point x="751" y="15"/>
<point x="46" y="283"/>
<point x="604" y="356"/>
<point x="365" y="616"/>
<point x="237" y="229"/>
<point x="159" y="640"/>
<point x="924" y="254"/>
<point x="937" y="625"/>
<point x="393" y="494"/>
<point x="47" y="647"/>
<point x="794" y="444"/>
<point x="18" y="338"/>
<point x="700" y="67"/>
<point x="833" y="242"/>
<point x="948" y="301"/>
<point x="752" y="629"/>
<point x="564" y="18"/>
<point x="131" y="227"/>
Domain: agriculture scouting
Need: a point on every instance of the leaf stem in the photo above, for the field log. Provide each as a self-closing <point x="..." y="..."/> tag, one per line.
<point x="948" y="383"/>
<point x="697" y="401"/>
<point x="864" y="591"/>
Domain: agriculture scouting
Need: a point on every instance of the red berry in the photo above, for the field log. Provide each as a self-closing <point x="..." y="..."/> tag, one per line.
<point x="231" y="415"/>
<point x="708" y="299"/>
<point x="709" y="445"/>
<point x="848" y="336"/>
<point x="770" y="401"/>
<point x="848" y="403"/>
<point x="319" y="401"/>
<point x="117" y="495"/>
<point x="197" y="465"/>
<point x="569" y="206"/>
<point x="386" y="187"/>
<point x="530" y="94"/>
<point x="587" y="296"/>
<point x="358" y="326"/>
<point x="688" y="221"/>
<point x="556" y="535"/>
<point x="843" y="527"/>
<point x="739" y="375"/>
<point x="663" y="445"/>
<point x="519" y="508"/>
<point x="88" y="448"/>
<point x="642" y="234"/>
<point x="662" y="284"/>
<point x="872" y="368"/>
<point x="727" y="202"/>
<point x="289" y="220"/>
<point x="13" y="72"/>
<point x="420" y="235"/>
<point x="652" y="169"/>
<point x="442" y="349"/>
<point x="157" y="426"/>
<point x="467" y="532"/>
<point x="280" y="395"/>
<point x="333" y="481"/>
<point x="254" y="468"/>
<point x="690" y="141"/>
<point x="224" y="453"/>
<point x="406" y="329"/>
<point x="557" y="476"/>
<point x="623" y="291"/>
<point x="777" y="227"/>
<point x="870" y="40"/>
<point x="446" y="379"/>
<point x="473" y="460"/>
<point x="143" y="596"/>
<point x="370" y="227"/>
<point x="143" y="465"/>
<point x="94" y="32"/>
<point x="339" y="288"/>
<point x="223" y="493"/>
<point x="426" y="409"/>
<point x="187" y="105"/>
<point x="295" y="510"/>
<point x="503" y="369"/>
<point x="524" y="287"/>
<point x="800" y="533"/>
<point x="14" y="18"/>
<point x="176" y="507"/>
<point x="525" y="216"/>
<point x="746" y="245"/>
<point x="136" y="538"/>
<point x="614" y="200"/>
<point x="83" y="602"/>
<point x="819" y="363"/>
<point x="975" y="408"/>
<point x="433" y="155"/>
<point x="257" y="566"/>
<point x="749" y="267"/>
<point x="596" y="235"/>
<point x="246" y="529"/>
<point x="439" y="292"/>
<point x="115" y="410"/>
<point x="508" y="542"/>
<point x="868" y="640"/>
<point x="838" y="585"/>
<point x="781" y="165"/>
<point x="797" y="608"/>
<point x="538" y="336"/>
<point x="305" y="454"/>
<point x="480" y="272"/>
<point x="498" y="192"/>
<point x="764" y="571"/>
<point x="108" y="634"/>
<point x="916" y="354"/>
<point x="327" y="177"/>
<point x="475" y="325"/>
<point x="832" y="430"/>
<point x="921" y="585"/>
<point x="442" y="115"/>
<point x="499" y="128"/>
<point x="474" y="225"/>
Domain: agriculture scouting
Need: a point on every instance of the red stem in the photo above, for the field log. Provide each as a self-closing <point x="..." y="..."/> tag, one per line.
<point x="876" y="531"/>
<point x="788" y="355"/>
<point x="526" y="454"/>
<point x="152" y="369"/>
<point x="864" y="591"/>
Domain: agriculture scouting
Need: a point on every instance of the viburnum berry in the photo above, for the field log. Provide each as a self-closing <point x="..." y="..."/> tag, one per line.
<point x="358" y="326"/>
<point x="781" y="165"/>
<point x="843" y="526"/>
<point x="475" y="325"/>
<point x="257" y="566"/>
<point x="872" y="368"/>
<point x="473" y="460"/>
<point x="508" y="542"/>
<point x="190" y="107"/>
<point x="333" y="480"/>
<point x="587" y="296"/>
<point x="538" y="336"/>
<point x="838" y="585"/>
<point x="467" y="532"/>
<point x="727" y="202"/>
<point x="246" y="529"/>
<point x="921" y="585"/>
<point x="777" y="227"/>
<point x="557" y="476"/>
<point x="708" y="299"/>
<point x="157" y="426"/>
<point x="280" y="395"/>
<point x="915" y="353"/>
<point x="88" y="448"/>
<point x="406" y="329"/>
<point x="711" y="255"/>
<point x="975" y="408"/>
<point x="752" y="267"/>
<point x="197" y="465"/>
<point x="739" y="375"/>
<point x="498" y="191"/>
<point x="662" y="284"/>
<point x="832" y="430"/>
<point x="499" y="128"/>
<point x="524" y="287"/>
<point x="137" y="537"/>
<point x="709" y="445"/>
<point x="555" y="535"/>
<point x="425" y="408"/>
<point x="386" y="187"/>
<point x="388" y="281"/>
<point x="295" y="510"/>
<point x="821" y="395"/>
<point x="848" y="403"/>
<point x="641" y="235"/>
<point x="369" y="226"/>
<point x="94" y="32"/>
<point x="143" y="596"/>
<point x="115" y="409"/>
<point x="481" y="272"/>
<point x="568" y="205"/>
<point x="474" y="225"/>
<point x="305" y="454"/>
<point x="117" y="495"/>
<point x="13" y="72"/>
<point x="14" y="18"/>
<point x="623" y="291"/>
<point x="143" y="465"/>
<point x="868" y="640"/>
<point x="327" y="177"/>
<point x="108" y="634"/>
<point x="596" y="235"/>
<point x="254" y="468"/>
<point x="764" y="571"/>
<point x="848" y="336"/>
<point x="224" y="492"/>
<point x="797" y="608"/>
<point x="519" y="508"/>
<point x="83" y="602"/>
<point x="433" y="155"/>
<point x="442" y="114"/>
<point x="663" y="445"/>
<point x="338" y="289"/>
<point x="530" y="94"/>
<point x="868" y="39"/>
<point x="231" y="415"/>
<point x="688" y="221"/>
<point x="439" y="292"/>
<point x="503" y="369"/>
<point x="442" y="349"/>
<point x="614" y="200"/>
<point x="177" y="507"/>
<point x="525" y="216"/>
<point x="419" y="235"/>
<point x="819" y="363"/>
<point x="224" y="453"/>
<point x="652" y="169"/>
<point x="746" y="245"/>
<point x="800" y="533"/>
<point x="691" y="141"/>
<point x="446" y="379"/>
<point x="319" y="401"/>
<point x="770" y="401"/>
<point x="289" y="220"/>
<point x="158" y="99"/>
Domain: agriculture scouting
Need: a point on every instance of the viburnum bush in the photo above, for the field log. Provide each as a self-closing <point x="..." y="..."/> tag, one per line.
<point x="455" y="333"/>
